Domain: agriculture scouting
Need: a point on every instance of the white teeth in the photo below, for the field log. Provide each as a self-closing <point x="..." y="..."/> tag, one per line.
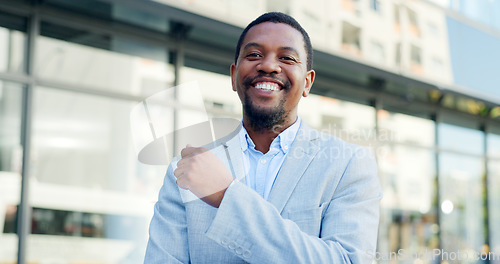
<point x="266" y="86"/>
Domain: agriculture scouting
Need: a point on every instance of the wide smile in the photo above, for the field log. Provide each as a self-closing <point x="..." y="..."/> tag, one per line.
<point x="267" y="87"/>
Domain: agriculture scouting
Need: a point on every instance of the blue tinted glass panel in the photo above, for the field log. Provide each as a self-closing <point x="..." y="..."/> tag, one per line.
<point x="460" y="139"/>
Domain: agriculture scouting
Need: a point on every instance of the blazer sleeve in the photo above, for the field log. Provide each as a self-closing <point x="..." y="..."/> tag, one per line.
<point x="254" y="230"/>
<point x="168" y="241"/>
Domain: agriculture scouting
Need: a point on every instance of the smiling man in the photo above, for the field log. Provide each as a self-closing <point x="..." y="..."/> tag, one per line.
<point x="306" y="197"/>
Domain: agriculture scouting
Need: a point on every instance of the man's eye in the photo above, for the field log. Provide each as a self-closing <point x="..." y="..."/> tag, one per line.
<point x="288" y="59"/>
<point x="253" y="55"/>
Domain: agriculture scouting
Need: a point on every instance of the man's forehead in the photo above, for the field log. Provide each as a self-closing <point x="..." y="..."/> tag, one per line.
<point x="263" y="30"/>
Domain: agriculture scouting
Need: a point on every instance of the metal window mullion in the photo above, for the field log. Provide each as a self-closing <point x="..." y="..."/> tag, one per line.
<point x="487" y="230"/>
<point x="178" y="64"/>
<point x="24" y="211"/>
<point x="180" y="32"/>
<point x="437" y="117"/>
<point x="377" y="105"/>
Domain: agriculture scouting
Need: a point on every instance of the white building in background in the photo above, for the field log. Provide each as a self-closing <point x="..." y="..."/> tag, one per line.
<point x="407" y="37"/>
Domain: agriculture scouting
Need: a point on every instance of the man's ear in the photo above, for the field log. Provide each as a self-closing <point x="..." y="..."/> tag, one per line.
<point x="233" y="76"/>
<point x="309" y="82"/>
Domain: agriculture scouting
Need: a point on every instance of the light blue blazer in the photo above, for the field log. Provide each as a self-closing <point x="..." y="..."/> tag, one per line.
<point x="323" y="208"/>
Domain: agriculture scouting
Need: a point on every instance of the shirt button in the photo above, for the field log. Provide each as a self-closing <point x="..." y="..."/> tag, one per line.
<point x="285" y="147"/>
<point x="263" y="161"/>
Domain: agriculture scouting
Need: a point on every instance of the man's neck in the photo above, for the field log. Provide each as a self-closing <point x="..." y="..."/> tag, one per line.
<point x="263" y="138"/>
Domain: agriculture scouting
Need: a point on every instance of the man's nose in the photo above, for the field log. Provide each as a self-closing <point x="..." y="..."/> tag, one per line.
<point x="269" y="65"/>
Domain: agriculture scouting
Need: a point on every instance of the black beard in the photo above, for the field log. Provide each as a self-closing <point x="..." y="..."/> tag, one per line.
<point x="263" y="120"/>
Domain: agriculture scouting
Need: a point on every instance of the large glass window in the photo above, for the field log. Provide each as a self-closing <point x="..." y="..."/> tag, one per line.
<point x="461" y="190"/>
<point x="408" y="223"/>
<point x="10" y="126"/>
<point x="408" y="216"/>
<point x="493" y="145"/>
<point x="494" y="193"/>
<point x="454" y="138"/>
<point x="12" y="43"/>
<point x="92" y="198"/>
<point x="351" y="122"/>
<point x="406" y="129"/>
<point x="219" y="98"/>
<point x="494" y="206"/>
<point x="408" y="178"/>
<point x="10" y="167"/>
<point x="135" y="68"/>
<point x="461" y="203"/>
<point x="92" y="193"/>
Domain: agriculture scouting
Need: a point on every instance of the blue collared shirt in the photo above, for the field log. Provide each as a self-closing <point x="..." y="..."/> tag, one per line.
<point x="261" y="169"/>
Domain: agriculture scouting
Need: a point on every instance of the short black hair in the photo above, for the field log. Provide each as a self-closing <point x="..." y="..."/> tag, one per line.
<point x="277" y="17"/>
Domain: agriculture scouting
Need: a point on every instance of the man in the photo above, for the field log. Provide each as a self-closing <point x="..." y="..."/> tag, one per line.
<point x="306" y="197"/>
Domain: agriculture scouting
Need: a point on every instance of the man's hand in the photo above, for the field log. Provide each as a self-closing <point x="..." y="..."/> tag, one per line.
<point x="201" y="172"/>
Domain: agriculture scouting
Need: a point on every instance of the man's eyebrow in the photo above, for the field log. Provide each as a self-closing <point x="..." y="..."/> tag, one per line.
<point x="257" y="45"/>
<point x="252" y="44"/>
<point x="290" y="49"/>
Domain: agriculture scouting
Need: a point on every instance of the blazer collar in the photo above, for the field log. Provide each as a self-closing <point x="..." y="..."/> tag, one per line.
<point x="233" y="148"/>
<point x="301" y="154"/>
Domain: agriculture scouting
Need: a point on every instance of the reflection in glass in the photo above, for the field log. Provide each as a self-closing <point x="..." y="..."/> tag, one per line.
<point x="494" y="206"/>
<point x="12" y="52"/>
<point x="493" y="145"/>
<point x="406" y="129"/>
<point x="351" y="122"/>
<point x="10" y="167"/>
<point x="86" y="175"/>
<point x="8" y="236"/>
<point x="408" y="214"/>
<point x="461" y="139"/>
<point x="10" y="126"/>
<point x="219" y="98"/>
<point x="407" y="177"/>
<point x="461" y="221"/>
<point x="77" y="140"/>
<point x="135" y="68"/>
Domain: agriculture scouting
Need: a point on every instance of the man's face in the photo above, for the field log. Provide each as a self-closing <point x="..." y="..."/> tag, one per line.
<point x="271" y="74"/>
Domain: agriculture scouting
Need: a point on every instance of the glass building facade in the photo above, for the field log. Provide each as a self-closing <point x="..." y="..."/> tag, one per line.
<point x="414" y="81"/>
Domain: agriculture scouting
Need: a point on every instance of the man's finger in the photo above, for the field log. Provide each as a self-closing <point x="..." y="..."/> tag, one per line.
<point x="181" y="184"/>
<point x="178" y="172"/>
<point x="181" y="162"/>
<point x="187" y="151"/>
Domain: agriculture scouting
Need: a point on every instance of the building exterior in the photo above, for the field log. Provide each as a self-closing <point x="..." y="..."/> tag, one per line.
<point x="413" y="80"/>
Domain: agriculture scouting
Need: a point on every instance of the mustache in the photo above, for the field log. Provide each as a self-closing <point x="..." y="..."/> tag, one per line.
<point x="249" y="80"/>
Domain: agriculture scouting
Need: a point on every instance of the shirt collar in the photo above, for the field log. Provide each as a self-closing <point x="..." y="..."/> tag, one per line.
<point x="284" y="140"/>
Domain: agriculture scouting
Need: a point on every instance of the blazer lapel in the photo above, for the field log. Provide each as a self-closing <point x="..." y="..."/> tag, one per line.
<point x="294" y="166"/>
<point x="232" y="147"/>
